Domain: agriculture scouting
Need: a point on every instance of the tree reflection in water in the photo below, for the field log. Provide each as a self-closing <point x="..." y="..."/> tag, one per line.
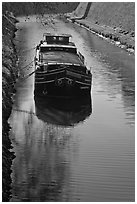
<point x="41" y="168"/>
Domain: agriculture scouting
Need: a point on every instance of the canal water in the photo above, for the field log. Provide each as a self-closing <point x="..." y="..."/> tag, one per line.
<point x="82" y="150"/>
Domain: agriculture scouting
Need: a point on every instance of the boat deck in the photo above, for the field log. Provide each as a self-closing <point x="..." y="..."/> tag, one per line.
<point x="60" y="57"/>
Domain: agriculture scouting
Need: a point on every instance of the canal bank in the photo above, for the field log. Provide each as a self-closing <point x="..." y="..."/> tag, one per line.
<point x="9" y="76"/>
<point x="114" y="22"/>
<point x="115" y="36"/>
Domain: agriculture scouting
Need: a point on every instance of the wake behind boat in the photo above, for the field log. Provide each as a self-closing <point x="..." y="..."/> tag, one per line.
<point x="60" y="68"/>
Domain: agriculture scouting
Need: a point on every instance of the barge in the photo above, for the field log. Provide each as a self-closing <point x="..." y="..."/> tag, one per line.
<point x="60" y="69"/>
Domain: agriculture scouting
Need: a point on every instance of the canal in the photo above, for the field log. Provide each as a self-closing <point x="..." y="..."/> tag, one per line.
<point x="86" y="153"/>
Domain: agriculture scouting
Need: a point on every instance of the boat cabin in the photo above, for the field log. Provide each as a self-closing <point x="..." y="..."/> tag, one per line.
<point x="56" y="51"/>
<point x="56" y="39"/>
<point x="53" y="42"/>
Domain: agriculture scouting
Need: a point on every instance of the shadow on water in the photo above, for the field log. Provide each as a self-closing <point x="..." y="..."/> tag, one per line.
<point x="63" y="112"/>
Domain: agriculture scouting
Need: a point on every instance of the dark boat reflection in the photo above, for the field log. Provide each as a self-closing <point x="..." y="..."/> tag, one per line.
<point x="63" y="111"/>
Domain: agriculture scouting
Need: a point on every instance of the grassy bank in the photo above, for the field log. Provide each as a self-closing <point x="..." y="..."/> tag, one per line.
<point x="113" y="21"/>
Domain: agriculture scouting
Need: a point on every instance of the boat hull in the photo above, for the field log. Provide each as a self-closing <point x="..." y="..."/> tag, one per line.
<point x="63" y="82"/>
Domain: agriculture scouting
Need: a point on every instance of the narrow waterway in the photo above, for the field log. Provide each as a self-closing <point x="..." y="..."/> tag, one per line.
<point x="82" y="150"/>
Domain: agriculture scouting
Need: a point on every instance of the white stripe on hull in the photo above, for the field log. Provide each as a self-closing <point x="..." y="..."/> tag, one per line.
<point x="79" y="82"/>
<point x="85" y="87"/>
<point x="44" y="82"/>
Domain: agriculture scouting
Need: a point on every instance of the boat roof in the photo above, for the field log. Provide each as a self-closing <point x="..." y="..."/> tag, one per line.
<point x="61" y="57"/>
<point x="57" y="35"/>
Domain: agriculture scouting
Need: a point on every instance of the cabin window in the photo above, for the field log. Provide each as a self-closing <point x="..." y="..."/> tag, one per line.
<point x="61" y="38"/>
